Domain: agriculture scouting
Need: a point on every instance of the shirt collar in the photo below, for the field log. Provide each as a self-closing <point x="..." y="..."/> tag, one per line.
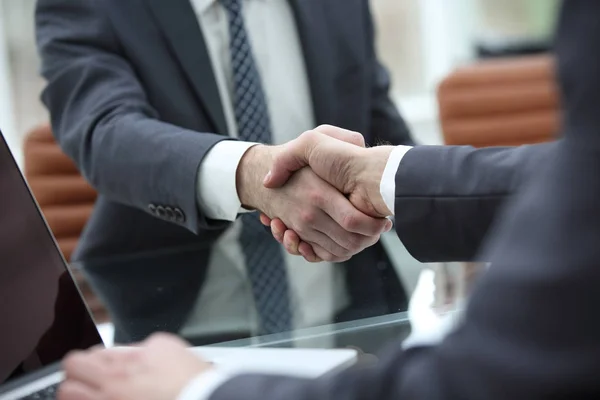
<point x="203" y="5"/>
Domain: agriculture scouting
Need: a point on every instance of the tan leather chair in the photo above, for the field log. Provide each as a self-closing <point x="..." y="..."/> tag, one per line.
<point x="65" y="198"/>
<point x="502" y="102"/>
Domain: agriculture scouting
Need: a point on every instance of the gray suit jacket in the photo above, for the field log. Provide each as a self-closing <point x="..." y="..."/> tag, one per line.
<point x="531" y="329"/>
<point x="134" y="103"/>
<point x="447" y="197"/>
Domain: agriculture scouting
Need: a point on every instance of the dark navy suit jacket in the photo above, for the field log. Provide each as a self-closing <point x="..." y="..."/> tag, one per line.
<point x="134" y="103"/>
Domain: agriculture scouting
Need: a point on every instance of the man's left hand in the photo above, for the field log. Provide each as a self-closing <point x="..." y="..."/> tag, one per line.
<point x="158" y="369"/>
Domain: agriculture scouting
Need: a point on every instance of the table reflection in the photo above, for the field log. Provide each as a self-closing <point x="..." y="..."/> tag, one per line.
<point x="141" y="298"/>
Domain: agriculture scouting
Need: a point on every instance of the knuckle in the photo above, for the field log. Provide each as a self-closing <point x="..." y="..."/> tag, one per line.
<point x="325" y="127"/>
<point x="159" y="337"/>
<point x="302" y="230"/>
<point x="342" y="259"/>
<point x="277" y="235"/>
<point x="374" y="239"/>
<point x="344" y="255"/>
<point x="327" y="256"/>
<point x="314" y="259"/>
<point x="372" y="227"/>
<point x="289" y="248"/>
<point x="343" y="252"/>
<point x="357" y="138"/>
<point x="337" y="250"/>
<point x="350" y="222"/>
<point x="316" y="198"/>
<point x="354" y="244"/>
<point x="308" y="218"/>
<point x="309" y="135"/>
<point x="370" y="240"/>
<point x="291" y="245"/>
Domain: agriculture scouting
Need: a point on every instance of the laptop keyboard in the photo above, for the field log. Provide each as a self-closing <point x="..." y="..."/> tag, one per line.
<point x="48" y="393"/>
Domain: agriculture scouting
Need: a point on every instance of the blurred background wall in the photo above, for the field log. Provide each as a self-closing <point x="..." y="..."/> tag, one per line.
<point x="420" y="41"/>
<point x="18" y="54"/>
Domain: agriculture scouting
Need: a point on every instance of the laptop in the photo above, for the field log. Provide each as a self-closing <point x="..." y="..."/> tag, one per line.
<point x="43" y="315"/>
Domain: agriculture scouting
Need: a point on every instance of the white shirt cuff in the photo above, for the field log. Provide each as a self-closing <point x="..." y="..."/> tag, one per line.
<point x="387" y="187"/>
<point x="216" y="190"/>
<point x="204" y="385"/>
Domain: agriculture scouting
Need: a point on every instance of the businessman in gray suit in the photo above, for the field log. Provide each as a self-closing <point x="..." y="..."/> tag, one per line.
<point x="160" y="103"/>
<point x="531" y="329"/>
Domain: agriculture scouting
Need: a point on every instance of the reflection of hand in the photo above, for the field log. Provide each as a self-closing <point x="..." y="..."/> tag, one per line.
<point x="332" y="154"/>
<point x="158" y="369"/>
<point x="323" y="217"/>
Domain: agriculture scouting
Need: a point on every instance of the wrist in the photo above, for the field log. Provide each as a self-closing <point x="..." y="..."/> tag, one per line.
<point x="251" y="170"/>
<point x="369" y="178"/>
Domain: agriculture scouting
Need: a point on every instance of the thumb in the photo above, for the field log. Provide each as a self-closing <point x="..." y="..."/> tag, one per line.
<point x="291" y="157"/>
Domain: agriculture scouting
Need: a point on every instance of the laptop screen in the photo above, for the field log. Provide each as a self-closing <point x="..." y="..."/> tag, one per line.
<point x="42" y="315"/>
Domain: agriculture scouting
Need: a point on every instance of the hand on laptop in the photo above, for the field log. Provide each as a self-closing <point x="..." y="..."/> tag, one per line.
<point x="336" y="156"/>
<point x="158" y="369"/>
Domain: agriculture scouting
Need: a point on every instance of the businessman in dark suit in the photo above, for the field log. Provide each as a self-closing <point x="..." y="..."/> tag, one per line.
<point x="447" y="197"/>
<point x="531" y="329"/>
<point x="159" y="104"/>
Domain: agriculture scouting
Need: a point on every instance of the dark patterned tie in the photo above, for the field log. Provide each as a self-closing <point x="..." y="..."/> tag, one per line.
<point x="264" y="258"/>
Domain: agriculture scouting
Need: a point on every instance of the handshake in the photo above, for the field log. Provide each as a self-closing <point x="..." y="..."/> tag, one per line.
<point x="319" y="193"/>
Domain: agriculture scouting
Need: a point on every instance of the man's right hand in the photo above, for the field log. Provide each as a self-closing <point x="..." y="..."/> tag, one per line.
<point x="335" y="155"/>
<point x="339" y="157"/>
<point x="321" y="215"/>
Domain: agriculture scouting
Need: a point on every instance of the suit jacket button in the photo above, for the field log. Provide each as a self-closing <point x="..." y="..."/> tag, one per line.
<point x="161" y="212"/>
<point x="179" y="215"/>
<point x="152" y="209"/>
<point x="170" y="214"/>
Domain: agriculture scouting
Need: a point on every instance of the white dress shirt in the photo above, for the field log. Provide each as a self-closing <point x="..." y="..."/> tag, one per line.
<point x="226" y="300"/>
<point x="202" y="387"/>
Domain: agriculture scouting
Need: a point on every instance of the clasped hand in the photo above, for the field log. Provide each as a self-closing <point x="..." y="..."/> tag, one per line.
<point x="320" y="193"/>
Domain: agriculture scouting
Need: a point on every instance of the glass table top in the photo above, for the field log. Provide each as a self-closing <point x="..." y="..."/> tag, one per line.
<point x="360" y="305"/>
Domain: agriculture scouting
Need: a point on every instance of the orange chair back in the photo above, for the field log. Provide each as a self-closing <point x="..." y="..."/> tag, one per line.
<point x="65" y="198"/>
<point x="506" y="102"/>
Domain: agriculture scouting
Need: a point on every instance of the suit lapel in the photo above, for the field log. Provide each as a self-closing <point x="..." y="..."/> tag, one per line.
<point x="179" y="24"/>
<point x="313" y="31"/>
